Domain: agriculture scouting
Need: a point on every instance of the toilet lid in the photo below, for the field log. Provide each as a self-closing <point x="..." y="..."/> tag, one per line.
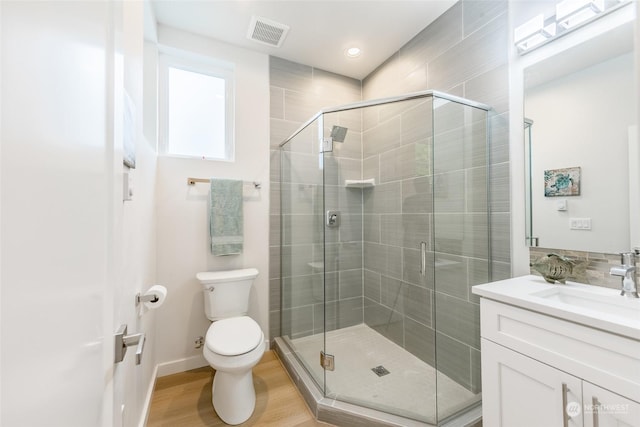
<point x="233" y="336"/>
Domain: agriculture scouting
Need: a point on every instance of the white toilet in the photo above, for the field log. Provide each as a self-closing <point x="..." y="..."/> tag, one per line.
<point x="234" y="343"/>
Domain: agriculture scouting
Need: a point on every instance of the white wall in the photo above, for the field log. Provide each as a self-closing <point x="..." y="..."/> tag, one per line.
<point x="182" y="233"/>
<point x="1" y="317"/>
<point x="134" y="229"/>
<point x="569" y="129"/>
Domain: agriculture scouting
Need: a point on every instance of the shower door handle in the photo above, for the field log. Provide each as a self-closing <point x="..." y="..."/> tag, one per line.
<point x="423" y="259"/>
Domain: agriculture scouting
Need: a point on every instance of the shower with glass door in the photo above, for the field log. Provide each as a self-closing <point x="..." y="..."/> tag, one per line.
<point x="385" y="226"/>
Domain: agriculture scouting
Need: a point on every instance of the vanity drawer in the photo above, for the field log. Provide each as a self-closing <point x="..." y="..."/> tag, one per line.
<point x="610" y="360"/>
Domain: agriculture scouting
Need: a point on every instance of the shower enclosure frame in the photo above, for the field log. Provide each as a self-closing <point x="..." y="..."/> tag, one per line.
<point x="287" y="353"/>
<point x="387" y="100"/>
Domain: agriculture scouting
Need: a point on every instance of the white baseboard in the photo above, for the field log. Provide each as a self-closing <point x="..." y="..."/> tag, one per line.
<point x="180" y="365"/>
<point x="164" y="369"/>
<point x="146" y="406"/>
<point x="169" y="368"/>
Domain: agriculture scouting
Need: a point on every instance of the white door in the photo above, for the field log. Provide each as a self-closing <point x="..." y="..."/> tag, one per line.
<point x="56" y="214"/>
<point x="520" y="391"/>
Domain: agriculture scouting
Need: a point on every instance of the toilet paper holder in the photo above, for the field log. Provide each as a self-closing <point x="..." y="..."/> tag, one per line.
<point x="152" y="298"/>
<point x="146" y="298"/>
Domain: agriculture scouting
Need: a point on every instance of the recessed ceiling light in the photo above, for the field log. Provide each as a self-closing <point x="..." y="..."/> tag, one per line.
<point x="353" y="52"/>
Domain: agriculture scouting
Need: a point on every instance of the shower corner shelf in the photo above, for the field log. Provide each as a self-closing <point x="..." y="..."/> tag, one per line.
<point x="360" y="183"/>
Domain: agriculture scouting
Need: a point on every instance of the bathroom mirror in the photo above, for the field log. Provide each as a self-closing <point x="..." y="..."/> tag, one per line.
<point x="583" y="159"/>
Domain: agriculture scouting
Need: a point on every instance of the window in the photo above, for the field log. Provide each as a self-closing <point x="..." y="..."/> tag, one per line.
<point x="196" y="109"/>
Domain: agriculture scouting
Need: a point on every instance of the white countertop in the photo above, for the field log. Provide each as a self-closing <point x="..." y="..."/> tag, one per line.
<point x="619" y="315"/>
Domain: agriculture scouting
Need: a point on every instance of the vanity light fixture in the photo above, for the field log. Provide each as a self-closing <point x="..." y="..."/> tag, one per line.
<point x="533" y="32"/>
<point x="570" y="13"/>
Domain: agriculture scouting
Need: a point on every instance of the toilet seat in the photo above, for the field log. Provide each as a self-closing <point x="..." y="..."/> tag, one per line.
<point x="233" y="336"/>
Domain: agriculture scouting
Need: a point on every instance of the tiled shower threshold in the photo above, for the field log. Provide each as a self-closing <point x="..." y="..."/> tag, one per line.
<point x="342" y="413"/>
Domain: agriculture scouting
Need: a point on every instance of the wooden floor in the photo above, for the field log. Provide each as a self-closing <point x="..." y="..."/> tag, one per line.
<point x="184" y="399"/>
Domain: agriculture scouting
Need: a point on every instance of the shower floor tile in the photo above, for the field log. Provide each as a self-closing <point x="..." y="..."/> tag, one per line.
<point x="408" y="389"/>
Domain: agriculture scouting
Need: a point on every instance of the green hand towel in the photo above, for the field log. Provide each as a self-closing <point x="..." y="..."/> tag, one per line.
<point x="226" y="217"/>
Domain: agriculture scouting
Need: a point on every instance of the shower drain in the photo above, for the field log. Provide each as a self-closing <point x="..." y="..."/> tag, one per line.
<point x="380" y="371"/>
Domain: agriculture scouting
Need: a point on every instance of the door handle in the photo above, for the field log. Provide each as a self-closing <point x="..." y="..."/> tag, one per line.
<point x="423" y="259"/>
<point x="596" y="405"/>
<point x="123" y="341"/>
<point x="565" y="415"/>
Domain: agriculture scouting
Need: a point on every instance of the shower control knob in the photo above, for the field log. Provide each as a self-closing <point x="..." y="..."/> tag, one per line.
<point x="333" y="219"/>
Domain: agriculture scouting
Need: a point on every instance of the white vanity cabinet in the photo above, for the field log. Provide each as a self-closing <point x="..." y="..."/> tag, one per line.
<point x="526" y="393"/>
<point x="536" y="364"/>
<point x="608" y="409"/>
<point x="519" y="391"/>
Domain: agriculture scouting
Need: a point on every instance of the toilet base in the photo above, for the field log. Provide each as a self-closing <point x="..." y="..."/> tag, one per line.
<point x="233" y="396"/>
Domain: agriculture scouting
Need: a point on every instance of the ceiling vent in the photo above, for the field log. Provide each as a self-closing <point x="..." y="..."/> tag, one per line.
<point x="267" y="32"/>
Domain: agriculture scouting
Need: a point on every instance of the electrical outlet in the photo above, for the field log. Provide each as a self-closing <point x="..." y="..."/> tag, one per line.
<point x="580" y="223"/>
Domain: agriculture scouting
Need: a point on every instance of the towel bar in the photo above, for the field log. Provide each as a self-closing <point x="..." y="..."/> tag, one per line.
<point x="193" y="181"/>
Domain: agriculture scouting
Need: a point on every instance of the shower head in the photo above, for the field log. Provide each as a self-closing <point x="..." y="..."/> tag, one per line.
<point x="338" y="133"/>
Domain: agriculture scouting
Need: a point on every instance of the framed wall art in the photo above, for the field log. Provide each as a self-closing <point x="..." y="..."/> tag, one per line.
<point x="562" y="182"/>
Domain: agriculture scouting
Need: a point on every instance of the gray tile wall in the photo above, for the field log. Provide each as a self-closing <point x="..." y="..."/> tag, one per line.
<point x="297" y="93"/>
<point x="463" y="53"/>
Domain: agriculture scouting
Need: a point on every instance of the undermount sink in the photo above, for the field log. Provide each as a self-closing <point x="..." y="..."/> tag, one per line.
<point x="616" y="305"/>
<point x="594" y="306"/>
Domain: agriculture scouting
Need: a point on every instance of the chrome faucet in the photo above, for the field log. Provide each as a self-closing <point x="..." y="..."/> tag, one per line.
<point x="628" y="272"/>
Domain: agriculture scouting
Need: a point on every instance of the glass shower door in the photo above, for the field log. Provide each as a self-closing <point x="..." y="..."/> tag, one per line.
<point x="462" y="249"/>
<point x="302" y="248"/>
<point x="342" y="168"/>
<point x="379" y="304"/>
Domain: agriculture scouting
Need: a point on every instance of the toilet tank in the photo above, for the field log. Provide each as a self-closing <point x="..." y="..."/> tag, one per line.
<point x="226" y="293"/>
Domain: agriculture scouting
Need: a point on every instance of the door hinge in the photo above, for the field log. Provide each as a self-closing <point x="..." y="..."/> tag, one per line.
<point x="327" y="361"/>
<point x="327" y="145"/>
